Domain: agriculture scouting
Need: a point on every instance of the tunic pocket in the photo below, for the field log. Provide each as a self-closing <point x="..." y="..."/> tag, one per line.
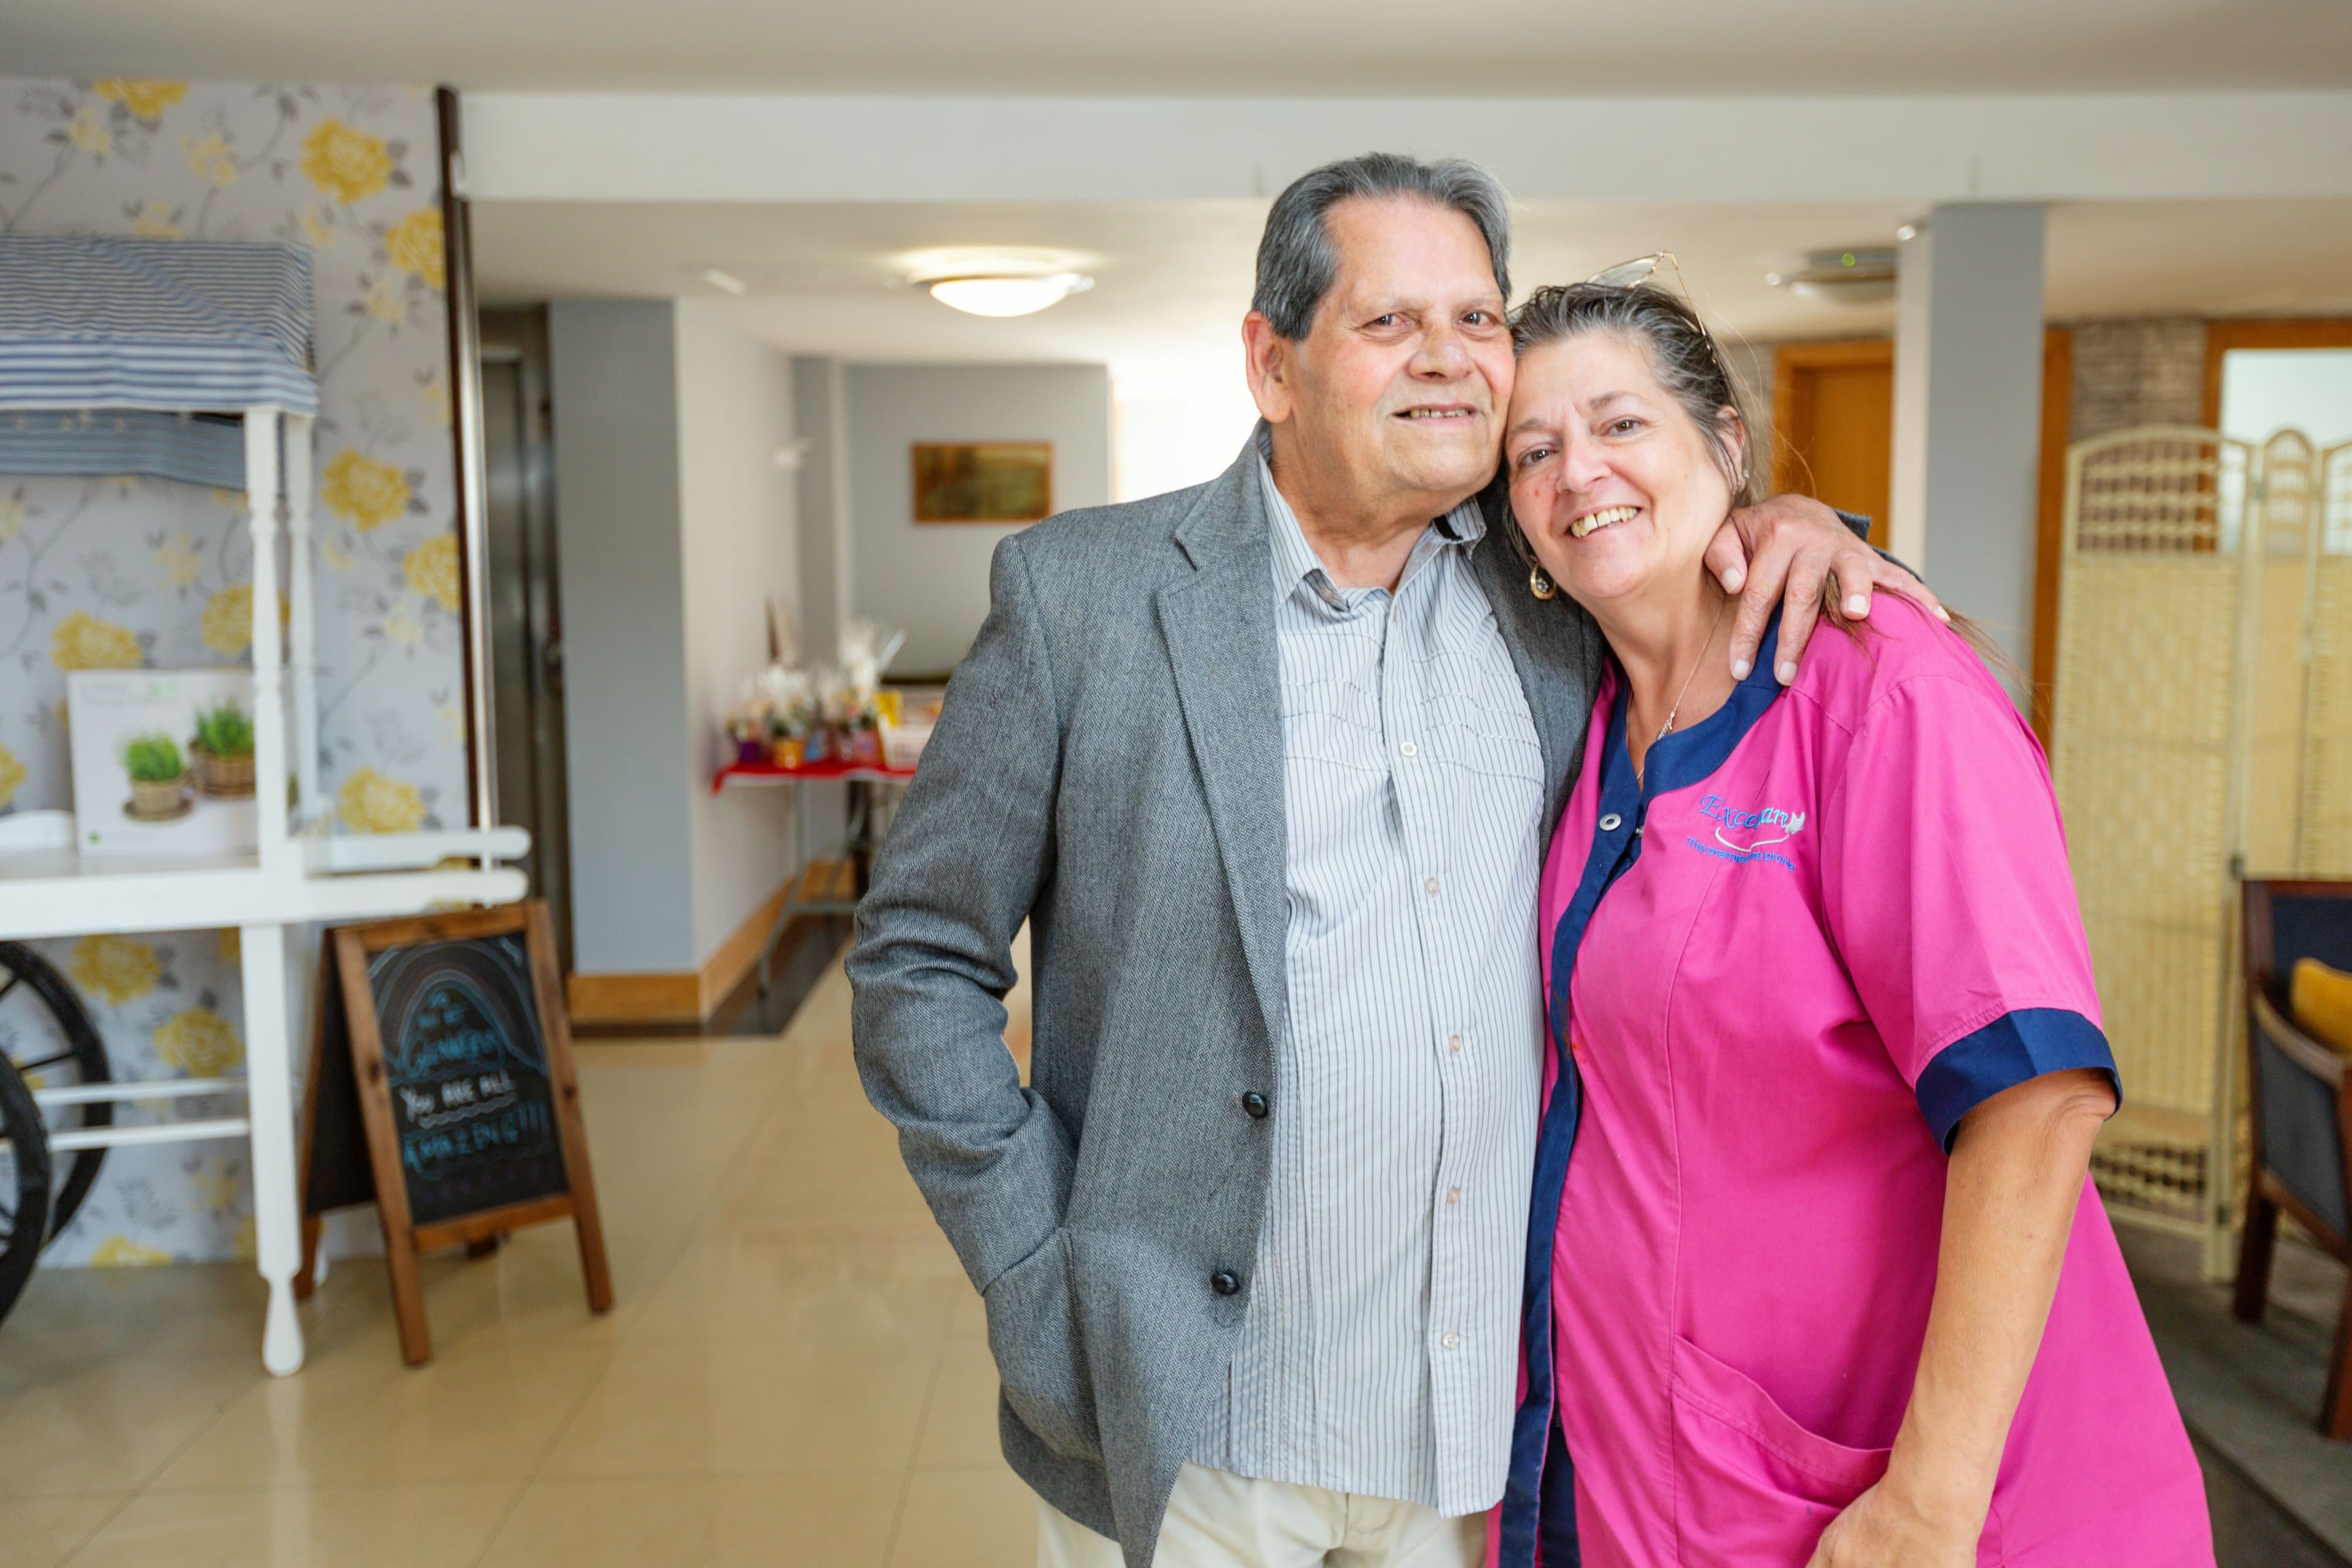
<point x="1752" y="1488"/>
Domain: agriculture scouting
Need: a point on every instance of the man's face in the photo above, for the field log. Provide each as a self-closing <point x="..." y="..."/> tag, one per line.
<point x="1401" y="381"/>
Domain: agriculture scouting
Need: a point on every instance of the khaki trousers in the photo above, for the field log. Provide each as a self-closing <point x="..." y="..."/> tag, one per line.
<point x="1219" y="1520"/>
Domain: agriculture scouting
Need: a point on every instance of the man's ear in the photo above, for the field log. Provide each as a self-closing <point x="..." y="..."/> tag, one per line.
<point x="1271" y="365"/>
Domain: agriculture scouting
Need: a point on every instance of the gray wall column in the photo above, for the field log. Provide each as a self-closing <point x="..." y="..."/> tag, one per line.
<point x="1968" y="412"/>
<point x="821" y="418"/>
<point x="628" y="723"/>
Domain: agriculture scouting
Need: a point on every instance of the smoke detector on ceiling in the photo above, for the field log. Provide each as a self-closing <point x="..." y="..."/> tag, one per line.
<point x="1863" y="276"/>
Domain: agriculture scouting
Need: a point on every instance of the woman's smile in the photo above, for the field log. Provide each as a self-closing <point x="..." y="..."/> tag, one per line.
<point x="1601" y="517"/>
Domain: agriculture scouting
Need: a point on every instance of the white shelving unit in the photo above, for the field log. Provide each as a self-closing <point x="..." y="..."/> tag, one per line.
<point x="300" y="875"/>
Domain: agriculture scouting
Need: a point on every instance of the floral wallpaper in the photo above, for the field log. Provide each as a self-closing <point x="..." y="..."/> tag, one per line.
<point x="125" y="573"/>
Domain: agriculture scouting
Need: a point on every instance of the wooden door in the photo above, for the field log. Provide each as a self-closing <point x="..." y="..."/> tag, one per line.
<point x="1834" y="414"/>
<point x="1833" y="417"/>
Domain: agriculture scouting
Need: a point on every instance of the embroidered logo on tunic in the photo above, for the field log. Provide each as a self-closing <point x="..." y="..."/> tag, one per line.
<point x="1744" y="836"/>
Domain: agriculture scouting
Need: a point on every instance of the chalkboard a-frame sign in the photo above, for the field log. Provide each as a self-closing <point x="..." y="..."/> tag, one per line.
<point x="442" y="1090"/>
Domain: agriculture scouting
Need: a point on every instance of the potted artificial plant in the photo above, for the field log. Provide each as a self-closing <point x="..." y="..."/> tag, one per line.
<point x="159" y="777"/>
<point x="224" y="752"/>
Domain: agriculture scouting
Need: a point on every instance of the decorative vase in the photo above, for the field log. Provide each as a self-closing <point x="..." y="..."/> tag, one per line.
<point x="751" y="753"/>
<point x="788" y="751"/>
<point x="864" y="748"/>
<point x="223" y="778"/>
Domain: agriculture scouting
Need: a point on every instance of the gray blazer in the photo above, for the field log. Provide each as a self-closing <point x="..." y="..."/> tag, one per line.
<point x="1108" y="768"/>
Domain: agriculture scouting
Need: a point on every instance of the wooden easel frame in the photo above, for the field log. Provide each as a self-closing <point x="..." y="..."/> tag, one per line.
<point x="345" y="954"/>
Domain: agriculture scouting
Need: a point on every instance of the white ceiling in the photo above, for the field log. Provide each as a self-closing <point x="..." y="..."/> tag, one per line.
<point x="1173" y="279"/>
<point x="1206" y="47"/>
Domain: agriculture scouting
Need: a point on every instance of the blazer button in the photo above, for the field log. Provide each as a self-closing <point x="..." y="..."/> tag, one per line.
<point x="1254" y="1103"/>
<point x="1223" y="1284"/>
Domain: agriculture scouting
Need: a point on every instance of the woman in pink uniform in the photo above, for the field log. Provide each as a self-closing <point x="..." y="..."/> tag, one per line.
<point x="1825" y="1284"/>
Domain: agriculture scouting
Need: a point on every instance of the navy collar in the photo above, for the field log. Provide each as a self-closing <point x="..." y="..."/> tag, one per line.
<point x="1676" y="761"/>
<point x="1684" y="757"/>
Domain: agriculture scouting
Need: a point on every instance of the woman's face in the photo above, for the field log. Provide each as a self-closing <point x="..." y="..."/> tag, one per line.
<point x="1619" y="492"/>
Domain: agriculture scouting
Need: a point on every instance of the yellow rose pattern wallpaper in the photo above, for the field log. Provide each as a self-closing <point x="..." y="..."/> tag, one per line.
<point x="123" y="573"/>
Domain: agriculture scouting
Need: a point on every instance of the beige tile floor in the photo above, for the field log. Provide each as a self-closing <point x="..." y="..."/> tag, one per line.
<point x="795" y="1373"/>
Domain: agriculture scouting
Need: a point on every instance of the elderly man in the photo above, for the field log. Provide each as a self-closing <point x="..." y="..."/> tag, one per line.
<point x="1267" y="766"/>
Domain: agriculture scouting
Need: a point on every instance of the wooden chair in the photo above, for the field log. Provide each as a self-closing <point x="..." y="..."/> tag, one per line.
<point x="2302" y="1108"/>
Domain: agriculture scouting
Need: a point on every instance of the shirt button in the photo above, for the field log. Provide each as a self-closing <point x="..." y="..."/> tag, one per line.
<point x="1429" y="886"/>
<point x="1254" y="1104"/>
<point x="1454" y="1194"/>
<point x="1451" y="1341"/>
<point x="1409" y="749"/>
<point x="1453" y="1044"/>
<point x="1610" y="823"/>
<point x="1223" y="1283"/>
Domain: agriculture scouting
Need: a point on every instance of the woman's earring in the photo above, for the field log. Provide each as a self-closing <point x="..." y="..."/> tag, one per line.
<point x="1539" y="584"/>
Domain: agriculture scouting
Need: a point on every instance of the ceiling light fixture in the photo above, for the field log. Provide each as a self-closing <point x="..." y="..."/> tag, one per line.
<point x="1005" y="294"/>
<point x="1863" y="276"/>
<point x="726" y="280"/>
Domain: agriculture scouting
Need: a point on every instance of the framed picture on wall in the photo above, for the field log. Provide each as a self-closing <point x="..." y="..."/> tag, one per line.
<point x="983" y="481"/>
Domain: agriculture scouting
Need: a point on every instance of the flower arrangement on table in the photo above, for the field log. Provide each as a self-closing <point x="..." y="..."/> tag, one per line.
<point x="790" y="716"/>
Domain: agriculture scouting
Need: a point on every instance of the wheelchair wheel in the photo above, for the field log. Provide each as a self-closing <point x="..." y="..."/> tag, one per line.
<point x="24" y="1185"/>
<point x="48" y="1038"/>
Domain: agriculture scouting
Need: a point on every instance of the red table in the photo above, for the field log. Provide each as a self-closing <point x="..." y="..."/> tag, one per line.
<point x="830" y="771"/>
<point x="868" y="823"/>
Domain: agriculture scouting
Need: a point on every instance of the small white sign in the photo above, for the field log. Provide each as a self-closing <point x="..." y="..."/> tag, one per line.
<point x="163" y="762"/>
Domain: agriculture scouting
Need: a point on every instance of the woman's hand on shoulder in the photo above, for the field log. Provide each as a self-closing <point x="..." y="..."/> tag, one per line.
<point x="1888" y="1527"/>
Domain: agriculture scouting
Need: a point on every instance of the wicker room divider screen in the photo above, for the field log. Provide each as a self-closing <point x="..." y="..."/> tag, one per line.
<point x="2148" y="716"/>
<point x="2201" y="733"/>
<point x="2327" y="847"/>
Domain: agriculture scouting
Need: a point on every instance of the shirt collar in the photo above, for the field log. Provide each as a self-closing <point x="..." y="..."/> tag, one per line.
<point x="1294" y="560"/>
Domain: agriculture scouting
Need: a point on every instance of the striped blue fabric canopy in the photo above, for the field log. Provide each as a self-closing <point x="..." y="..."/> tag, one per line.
<point x="118" y="355"/>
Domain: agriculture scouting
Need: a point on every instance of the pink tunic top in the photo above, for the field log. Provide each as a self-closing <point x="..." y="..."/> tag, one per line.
<point x="1837" y="919"/>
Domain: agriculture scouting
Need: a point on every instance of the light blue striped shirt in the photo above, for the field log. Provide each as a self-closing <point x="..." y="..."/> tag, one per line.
<point x="1379" y="1354"/>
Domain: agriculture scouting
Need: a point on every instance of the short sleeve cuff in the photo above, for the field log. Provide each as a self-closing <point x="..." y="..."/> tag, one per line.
<point x="2011" y="1049"/>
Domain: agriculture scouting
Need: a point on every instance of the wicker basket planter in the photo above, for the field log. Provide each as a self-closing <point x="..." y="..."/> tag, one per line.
<point x="159" y="800"/>
<point x="223" y="778"/>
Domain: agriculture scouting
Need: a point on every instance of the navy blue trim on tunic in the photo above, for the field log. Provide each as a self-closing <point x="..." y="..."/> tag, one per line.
<point x="2011" y="1049"/>
<point x="1539" y="1520"/>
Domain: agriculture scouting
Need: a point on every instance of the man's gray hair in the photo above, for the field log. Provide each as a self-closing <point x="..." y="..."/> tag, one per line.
<point x="1296" y="261"/>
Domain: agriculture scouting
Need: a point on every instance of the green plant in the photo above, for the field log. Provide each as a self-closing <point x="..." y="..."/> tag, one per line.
<point x="226" y="730"/>
<point x="153" y="758"/>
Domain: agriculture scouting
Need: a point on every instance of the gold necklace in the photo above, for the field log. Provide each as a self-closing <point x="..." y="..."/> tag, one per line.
<point x="1668" y="727"/>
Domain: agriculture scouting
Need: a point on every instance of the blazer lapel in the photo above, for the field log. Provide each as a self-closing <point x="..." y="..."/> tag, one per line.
<point x="1219" y="627"/>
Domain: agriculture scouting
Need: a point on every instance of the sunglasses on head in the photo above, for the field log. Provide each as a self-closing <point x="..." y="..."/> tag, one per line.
<point x="1645" y="270"/>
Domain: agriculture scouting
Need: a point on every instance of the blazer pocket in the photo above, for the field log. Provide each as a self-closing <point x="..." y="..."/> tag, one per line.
<point x="1033" y="1332"/>
<point x="1753" y="1487"/>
